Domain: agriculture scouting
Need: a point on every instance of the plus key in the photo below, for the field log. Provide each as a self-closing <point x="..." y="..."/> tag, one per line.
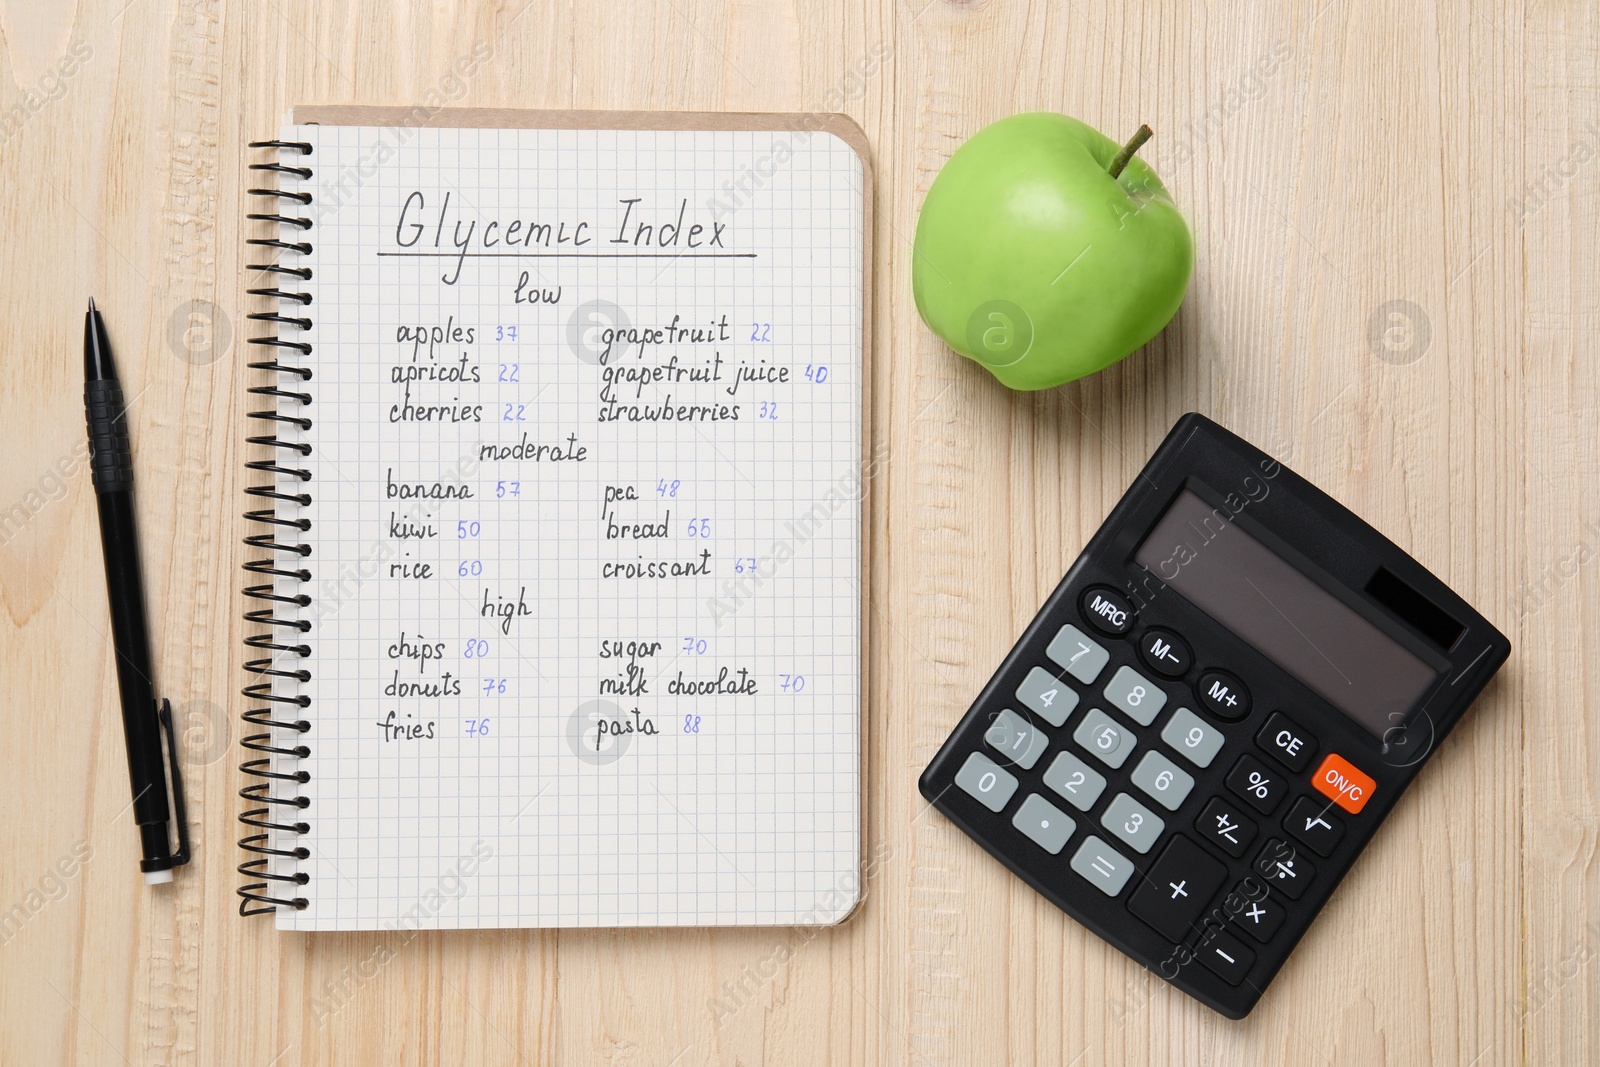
<point x="1177" y="889"/>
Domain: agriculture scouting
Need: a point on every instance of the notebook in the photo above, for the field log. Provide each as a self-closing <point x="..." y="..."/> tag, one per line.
<point x="555" y="590"/>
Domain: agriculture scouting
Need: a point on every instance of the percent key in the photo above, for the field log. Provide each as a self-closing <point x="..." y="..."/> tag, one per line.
<point x="1260" y="786"/>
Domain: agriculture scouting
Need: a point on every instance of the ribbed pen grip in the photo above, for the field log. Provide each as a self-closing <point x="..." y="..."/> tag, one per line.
<point x="110" y="454"/>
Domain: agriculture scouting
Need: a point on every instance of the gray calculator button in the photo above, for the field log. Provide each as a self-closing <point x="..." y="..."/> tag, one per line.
<point x="1075" y="780"/>
<point x="1133" y="693"/>
<point x="1162" y="779"/>
<point x="1078" y="653"/>
<point x="1046" y="824"/>
<point x="1016" y="738"/>
<point x="1047" y="696"/>
<point x="1106" y="869"/>
<point x="1135" y="824"/>
<point x="986" y="780"/>
<point x="1194" y="738"/>
<point x="1101" y="735"/>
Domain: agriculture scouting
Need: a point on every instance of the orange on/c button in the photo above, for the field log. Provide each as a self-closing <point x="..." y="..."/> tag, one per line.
<point x="1339" y="781"/>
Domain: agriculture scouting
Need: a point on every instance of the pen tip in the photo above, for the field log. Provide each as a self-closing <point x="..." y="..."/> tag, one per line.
<point x="91" y="303"/>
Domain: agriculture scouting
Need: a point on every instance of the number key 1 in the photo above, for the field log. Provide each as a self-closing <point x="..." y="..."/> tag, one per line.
<point x="1016" y="738"/>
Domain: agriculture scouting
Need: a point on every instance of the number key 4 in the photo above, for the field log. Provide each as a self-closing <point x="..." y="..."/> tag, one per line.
<point x="1047" y="696"/>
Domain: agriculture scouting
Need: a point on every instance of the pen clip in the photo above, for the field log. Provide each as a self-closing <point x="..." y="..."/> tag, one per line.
<point x="179" y="810"/>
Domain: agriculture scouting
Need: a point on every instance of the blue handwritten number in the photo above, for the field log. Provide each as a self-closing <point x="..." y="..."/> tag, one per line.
<point x="476" y="648"/>
<point x="478" y="727"/>
<point x="768" y="410"/>
<point x="744" y="565"/>
<point x="469" y="568"/>
<point x="508" y="371"/>
<point x="694" y="646"/>
<point x="691" y="724"/>
<point x="816" y="373"/>
<point x="667" y="489"/>
<point x="494" y="686"/>
<point x="761" y="332"/>
<point x="700" y="527"/>
<point x="792" y="683"/>
<point x="465" y="529"/>
<point x="504" y="489"/>
<point x="505" y="333"/>
<point x="515" y="413"/>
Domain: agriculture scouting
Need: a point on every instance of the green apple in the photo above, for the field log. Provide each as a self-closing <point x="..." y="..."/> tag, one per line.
<point x="1046" y="251"/>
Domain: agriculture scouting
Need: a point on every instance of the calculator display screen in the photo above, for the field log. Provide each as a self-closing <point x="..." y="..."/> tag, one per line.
<point x="1200" y="552"/>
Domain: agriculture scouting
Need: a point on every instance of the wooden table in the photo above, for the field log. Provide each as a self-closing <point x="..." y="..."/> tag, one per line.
<point x="1395" y="216"/>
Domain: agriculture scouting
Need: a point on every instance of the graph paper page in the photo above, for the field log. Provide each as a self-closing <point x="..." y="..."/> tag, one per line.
<point x="585" y="537"/>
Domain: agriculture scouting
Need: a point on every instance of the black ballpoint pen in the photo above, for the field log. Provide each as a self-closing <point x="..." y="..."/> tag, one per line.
<point x="111" y="469"/>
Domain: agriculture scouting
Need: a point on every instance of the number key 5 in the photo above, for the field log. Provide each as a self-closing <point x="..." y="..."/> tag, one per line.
<point x="1110" y="743"/>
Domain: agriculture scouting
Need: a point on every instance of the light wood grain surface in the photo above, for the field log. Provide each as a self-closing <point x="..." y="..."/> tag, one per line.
<point x="1395" y="211"/>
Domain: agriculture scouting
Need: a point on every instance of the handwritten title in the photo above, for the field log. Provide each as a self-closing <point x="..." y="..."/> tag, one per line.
<point x="637" y="231"/>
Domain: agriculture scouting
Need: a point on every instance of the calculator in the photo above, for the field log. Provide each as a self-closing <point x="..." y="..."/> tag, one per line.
<point x="1212" y="714"/>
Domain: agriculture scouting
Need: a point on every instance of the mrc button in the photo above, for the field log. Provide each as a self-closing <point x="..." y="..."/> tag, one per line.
<point x="1107" y="610"/>
<point x="1340" y="781"/>
<point x="1286" y="742"/>
<point x="1223" y="695"/>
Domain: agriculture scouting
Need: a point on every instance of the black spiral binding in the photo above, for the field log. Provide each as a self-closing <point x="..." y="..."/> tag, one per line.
<point x="279" y="741"/>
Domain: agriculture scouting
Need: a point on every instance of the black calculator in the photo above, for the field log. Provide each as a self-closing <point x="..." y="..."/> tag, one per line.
<point x="1212" y="714"/>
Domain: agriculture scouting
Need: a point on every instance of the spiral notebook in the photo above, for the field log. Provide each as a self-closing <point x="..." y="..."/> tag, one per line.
<point x="559" y="457"/>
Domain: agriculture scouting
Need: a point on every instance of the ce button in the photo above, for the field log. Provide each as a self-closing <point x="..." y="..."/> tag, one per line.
<point x="1286" y="742"/>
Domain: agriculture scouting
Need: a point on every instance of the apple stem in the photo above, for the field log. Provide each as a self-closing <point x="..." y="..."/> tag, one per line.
<point x="1129" y="149"/>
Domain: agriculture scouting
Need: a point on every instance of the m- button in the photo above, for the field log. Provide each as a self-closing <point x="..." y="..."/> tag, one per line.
<point x="1165" y="652"/>
<point x="1286" y="742"/>
<point x="1224" y="696"/>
